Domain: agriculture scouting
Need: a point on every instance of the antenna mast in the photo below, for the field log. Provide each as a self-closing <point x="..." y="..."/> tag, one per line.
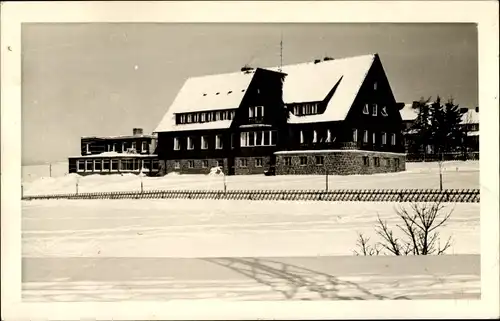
<point x="281" y="51"/>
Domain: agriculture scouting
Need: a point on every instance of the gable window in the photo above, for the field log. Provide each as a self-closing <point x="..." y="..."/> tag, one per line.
<point x="204" y="164"/>
<point x="393" y="139"/>
<point x="383" y="111"/>
<point x="256" y="112"/>
<point x="374" y="110"/>
<point x="218" y="141"/>
<point x="366" y="110"/>
<point x="320" y="160"/>
<point x="258" y="162"/>
<point x="191" y="164"/>
<point x="190" y="143"/>
<point x="243" y="162"/>
<point x="204" y="142"/>
<point x="315" y="137"/>
<point x="384" y="138"/>
<point x="177" y="145"/>
<point x="177" y="164"/>
<point x="375" y="86"/>
<point x="366" y="161"/>
<point x="365" y="136"/>
<point x="354" y="135"/>
<point x="288" y="161"/>
<point x="303" y="160"/>
<point x="144" y="147"/>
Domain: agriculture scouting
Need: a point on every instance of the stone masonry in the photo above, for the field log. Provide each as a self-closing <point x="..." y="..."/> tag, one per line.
<point x="198" y="165"/>
<point x="338" y="162"/>
<point x="251" y="166"/>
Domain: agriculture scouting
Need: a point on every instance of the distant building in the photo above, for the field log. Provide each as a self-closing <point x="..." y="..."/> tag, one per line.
<point x="116" y="154"/>
<point x="469" y="124"/>
<point x="335" y="115"/>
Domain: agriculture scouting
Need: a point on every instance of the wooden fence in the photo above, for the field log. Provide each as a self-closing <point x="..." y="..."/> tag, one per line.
<point x="379" y="195"/>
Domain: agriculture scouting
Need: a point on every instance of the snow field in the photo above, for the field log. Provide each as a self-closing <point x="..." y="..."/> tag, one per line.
<point x="456" y="175"/>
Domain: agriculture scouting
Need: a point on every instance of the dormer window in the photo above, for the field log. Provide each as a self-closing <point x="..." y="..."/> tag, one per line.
<point x="203" y="117"/>
<point x="217" y="116"/>
<point x="87" y="148"/>
<point x="189" y="118"/>
<point x="315" y="137"/>
<point x="182" y="119"/>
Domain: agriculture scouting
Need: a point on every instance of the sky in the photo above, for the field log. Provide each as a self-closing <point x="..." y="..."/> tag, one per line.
<point x="105" y="79"/>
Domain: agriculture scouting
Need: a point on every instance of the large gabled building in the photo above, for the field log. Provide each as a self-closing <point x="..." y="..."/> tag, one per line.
<point x="335" y="115"/>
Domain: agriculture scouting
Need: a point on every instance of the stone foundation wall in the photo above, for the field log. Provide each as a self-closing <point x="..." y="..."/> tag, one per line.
<point x="340" y="163"/>
<point x="197" y="168"/>
<point x="252" y="167"/>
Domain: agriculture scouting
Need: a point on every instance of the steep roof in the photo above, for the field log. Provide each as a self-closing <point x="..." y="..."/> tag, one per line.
<point x="470" y="117"/>
<point x="408" y="113"/>
<point x="304" y="82"/>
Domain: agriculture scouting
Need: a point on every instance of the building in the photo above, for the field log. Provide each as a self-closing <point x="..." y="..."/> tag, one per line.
<point x="116" y="154"/>
<point x="335" y="115"/>
<point x="469" y="125"/>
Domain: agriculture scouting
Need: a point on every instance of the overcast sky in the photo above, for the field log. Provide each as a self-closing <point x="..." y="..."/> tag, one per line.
<point x="105" y="79"/>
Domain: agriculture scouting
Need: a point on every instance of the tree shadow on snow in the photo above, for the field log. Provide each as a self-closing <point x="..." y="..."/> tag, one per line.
<point x="294" y="281"/>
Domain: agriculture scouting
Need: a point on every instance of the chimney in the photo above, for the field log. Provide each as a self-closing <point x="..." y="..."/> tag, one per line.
<point x="137" y="131"/>
<point x="477" y="109"/>
<point x="317" y="61"/>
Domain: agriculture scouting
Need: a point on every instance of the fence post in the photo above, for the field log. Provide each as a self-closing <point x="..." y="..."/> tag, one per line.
<point x="22" y="188"/>
<point x="50" y="169"/>
<point x="327" y="180"/>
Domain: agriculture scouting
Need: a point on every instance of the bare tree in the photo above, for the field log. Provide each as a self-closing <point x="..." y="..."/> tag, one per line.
<point x="419" y="227"/>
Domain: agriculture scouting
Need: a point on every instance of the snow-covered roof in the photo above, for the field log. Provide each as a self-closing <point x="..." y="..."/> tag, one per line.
<point x="304" y="82"/>
<point x="119" y="137"/>
<point x="408" y="113"/>
<point x="309" y="82"/>
<point x="470" y="117"/>
<point x="474" y="133"/>
<point x="114" y="154"/>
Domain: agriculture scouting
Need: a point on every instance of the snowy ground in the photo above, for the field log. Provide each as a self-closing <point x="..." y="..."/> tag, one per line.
<point x="418" y="175"/>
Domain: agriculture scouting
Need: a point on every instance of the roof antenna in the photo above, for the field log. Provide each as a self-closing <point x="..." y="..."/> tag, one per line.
<point x="281" y="51"/>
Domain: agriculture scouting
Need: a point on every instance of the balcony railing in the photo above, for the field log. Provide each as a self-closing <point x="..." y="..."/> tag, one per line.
<point x="256" y="120"/>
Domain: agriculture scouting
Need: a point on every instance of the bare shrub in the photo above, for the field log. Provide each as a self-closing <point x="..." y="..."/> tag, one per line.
<point x="420" y="236"/>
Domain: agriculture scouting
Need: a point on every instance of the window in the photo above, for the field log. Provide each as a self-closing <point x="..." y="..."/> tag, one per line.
<point x="195" y="117"/>
<point x="204" y="142"/>
<point x="384" y="138"/>
<point x="218" y="142"/>
<point x="374" y="110"/>
<point x="295" y="110"/>
<point x="314" y="109"/>
<point x="87" y="148"/>
<point x="258" y="162"/>
<point x="204" y="163"/>
<point x="124" y="147"/>
<point x="114" y="147"/>
<point x="366" y="110"/>
<point x="114" y="164"/>
<point x="217" y="115"/>
<point x="156" y="164"/>
<point x="288" y="161"/>
<point x="366" y="161"/>
<point x="133" y="145"/>
<point x="375" y="86"/>
<point x="328" y="136"/>
<point x="80" y="164"/>
<point x="303" y="160"/>
<point x="320" y="160"/>
<point x="365" y="136"/>
<point x="256" y="112"/>
<point x="274" y="138"/>
<point x="97" y="165"/>
<point x="232" y="114"/>
<point x="182" y="119"/>
<point x="315" y="137"/>
<point x="232" y="141"/>
<point x="383" y="111"/>
<point x="376" y="161"/>
<point x="105" y="164"/>
<point x="396" y="163"/>
<point x="144" y="147"/>
<point x="89" y="164"/>
<point x="177" y="145"/>
<point x="354" y="135"/>
<point x="393" y="139"/>
<point x="374" y="137"/>
<point x="191" y="164"/>
<point x="258" y="138"/>
<point x="189" y="118"/>
<point x="203" y="117"/>
<point x="190" y="143"/>
<point x="301" y="137"/>
<point x="108" y="147"/>
<point x="387" y="162"/>
<point x="177" y="165"/>
<point x="209" y="117"/>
